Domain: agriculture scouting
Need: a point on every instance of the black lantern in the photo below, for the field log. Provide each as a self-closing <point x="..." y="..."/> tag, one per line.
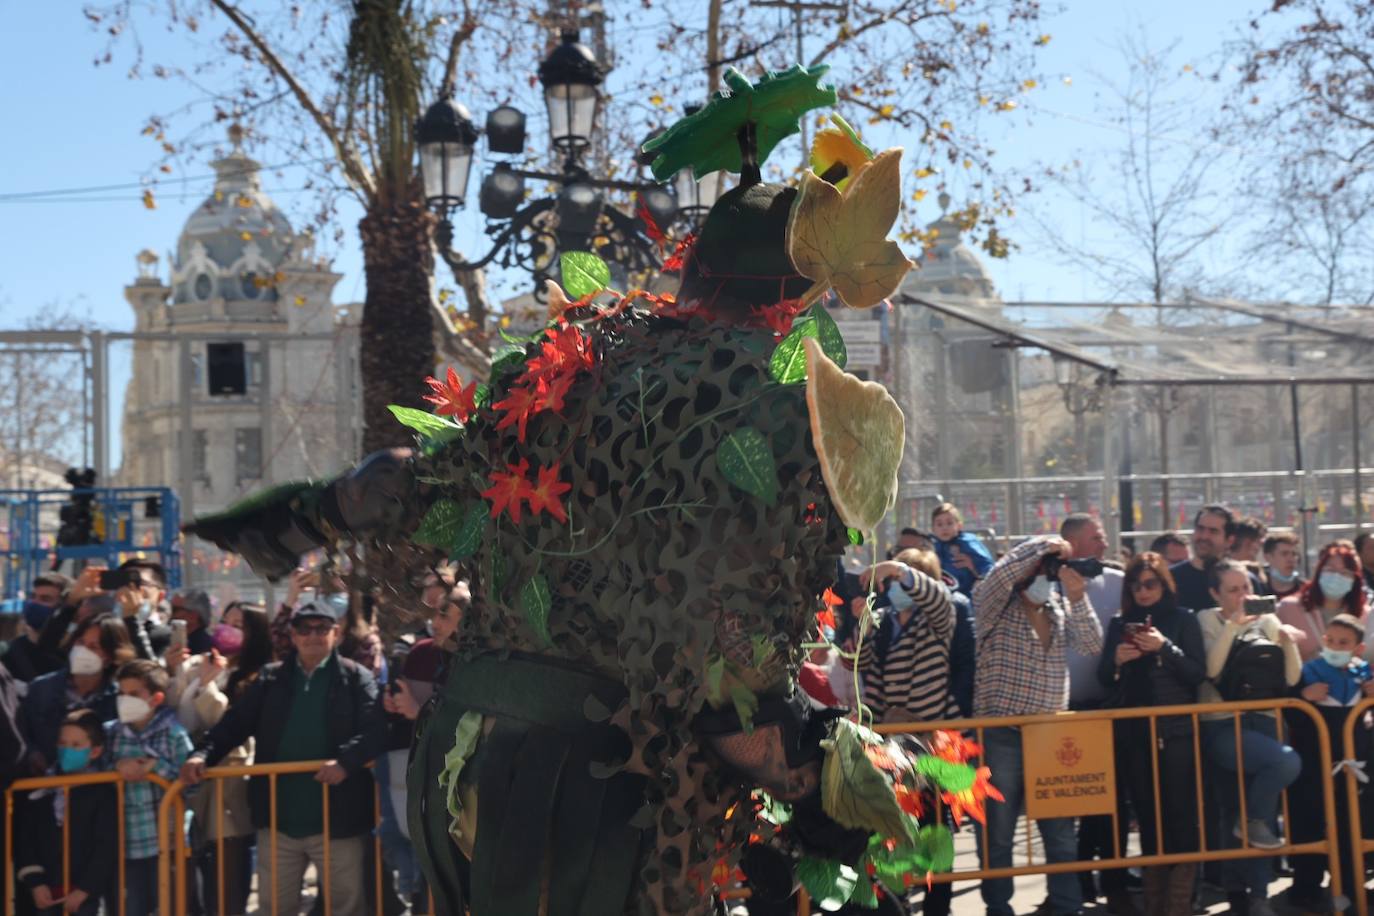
<point x="506" y="130"/>
<point x="579" y="206"/>
<point x="445" y="135"/>
<point x="503" y="191"/>
<point x="571" y="75"/>
<point x="696" y="197"/>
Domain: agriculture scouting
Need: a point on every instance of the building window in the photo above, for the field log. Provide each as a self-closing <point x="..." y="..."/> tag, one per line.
<point x="203" y="287"/>
<point x="248" y="454"/>
<point x="250" y="287"/>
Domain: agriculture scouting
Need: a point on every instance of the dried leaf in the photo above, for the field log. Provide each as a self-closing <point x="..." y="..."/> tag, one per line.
<point x="859" y="432"/>
<point x="840" y="239"/>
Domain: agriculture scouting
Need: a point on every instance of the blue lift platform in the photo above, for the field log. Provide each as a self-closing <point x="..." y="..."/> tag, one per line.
<point x="128" y="520"/>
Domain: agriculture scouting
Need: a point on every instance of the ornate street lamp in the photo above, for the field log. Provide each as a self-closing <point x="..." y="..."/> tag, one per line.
<point x="571" y="75"/>
<point x="532" y="233"/>
<point x="445" y="136"/>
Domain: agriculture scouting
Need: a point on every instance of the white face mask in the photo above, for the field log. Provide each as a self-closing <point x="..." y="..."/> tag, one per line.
<point x="898" y="598"/>
<point x="132" y="709"/>
<point x="83" y="661"/>
<point x="1039" y="590"/>
<point x="1334" y="585"/>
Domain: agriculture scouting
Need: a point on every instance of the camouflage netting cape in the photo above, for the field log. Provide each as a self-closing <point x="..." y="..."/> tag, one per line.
<point x="649" y="499"/>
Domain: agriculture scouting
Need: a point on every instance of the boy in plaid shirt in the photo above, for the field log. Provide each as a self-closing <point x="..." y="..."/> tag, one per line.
<point x="146" y="739"/>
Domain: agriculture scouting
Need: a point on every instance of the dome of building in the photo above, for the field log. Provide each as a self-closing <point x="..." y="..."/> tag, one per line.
<point x="232" y="244"/>
<point x="950" y="268"/>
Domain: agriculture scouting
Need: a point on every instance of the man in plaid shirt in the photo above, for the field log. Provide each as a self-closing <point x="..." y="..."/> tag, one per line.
<point x="146" y="739"/>
<point x="1025" y="621"/>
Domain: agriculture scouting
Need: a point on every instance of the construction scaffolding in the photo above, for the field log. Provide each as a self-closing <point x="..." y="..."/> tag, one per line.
<point x="1020" y="413"/>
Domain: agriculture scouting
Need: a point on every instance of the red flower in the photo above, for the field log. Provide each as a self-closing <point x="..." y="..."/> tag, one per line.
<point x="674" y="262"/>
<point x="954" y="747"/>
<point x="971" y="800"/>
<point x="518" y="404"/>
<point x="909" y="800"/>
<point x="450" y="398"/>
<point x="568" y="350"/>
<point x="549" y="394"/>
<point x="826" y="618"/>
<point x="651" y="228"/>
<point x="508" y="488"/>
<point x="778" y="316"/>
<point x="545" y="495"/>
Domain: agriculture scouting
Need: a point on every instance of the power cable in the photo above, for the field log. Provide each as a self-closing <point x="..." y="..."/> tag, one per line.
<point x="140" y="186"/>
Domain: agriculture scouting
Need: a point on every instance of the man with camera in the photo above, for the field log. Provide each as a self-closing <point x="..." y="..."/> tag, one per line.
<point x="1030" y="609"/>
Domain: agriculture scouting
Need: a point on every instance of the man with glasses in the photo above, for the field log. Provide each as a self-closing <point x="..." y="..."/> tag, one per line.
<point x="314" y="705"/>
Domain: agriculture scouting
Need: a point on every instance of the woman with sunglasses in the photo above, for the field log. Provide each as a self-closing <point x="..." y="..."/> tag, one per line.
<point x="1152" y="655"/>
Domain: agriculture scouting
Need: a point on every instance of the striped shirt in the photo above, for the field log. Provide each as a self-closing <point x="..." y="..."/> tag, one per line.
<point x="1018" y="674"/>
<point x="911" y="682"/>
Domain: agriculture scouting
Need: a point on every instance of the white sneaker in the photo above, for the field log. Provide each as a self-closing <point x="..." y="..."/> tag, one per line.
<point x="1260" y="836"/>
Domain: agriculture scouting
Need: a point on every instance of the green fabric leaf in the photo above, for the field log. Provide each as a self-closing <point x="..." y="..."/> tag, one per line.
<point x="715" y="670"/>
<point x="828" y="332"/>
<point x="936" y="846"/>
<point x="856" y="537"/>
<point x="746" y="704"/>
<point x="830" y="883"/>
<point x="953" y="777"/>
<point x="864" y="895"/>
<point x="788" y="362"/>
<point x="422" y="421"/>
<point x="854" y="792"/>
<point x="707" y="141"/>
<point x="440" y="525"/>
<point x="746" y="460"/>
<point x="471" y="531"/>
<point x="535" y="601"/>
<point x="505" y="360"/>
<point x="433" y="444"/>
<point x="481" y="397"/>
<point x="465" y="738"/>
<point x="583" y="273"/>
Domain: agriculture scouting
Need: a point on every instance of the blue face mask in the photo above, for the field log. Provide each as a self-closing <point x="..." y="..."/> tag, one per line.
<point x="72" y="759"/>
<point x="1040" y="590"/>
<point x="1335" y="658"/>
<point x="1334" y="585"/>
<point x="1280" y="577"/>
<point x="897" y="597"/>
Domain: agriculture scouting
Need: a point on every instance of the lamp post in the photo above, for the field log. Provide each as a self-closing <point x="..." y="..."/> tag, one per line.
<point x="532" y="233"/>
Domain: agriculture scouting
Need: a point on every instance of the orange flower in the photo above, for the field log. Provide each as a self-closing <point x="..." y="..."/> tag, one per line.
<point x="909" y="800"/>
<point x="508" y="489"/>
<point x="518" y="404"/>
<point x="954" y="747"/>
<point x="450" y="398"/>
<point x="971" y="800"/>
<point x="545" y="494"/>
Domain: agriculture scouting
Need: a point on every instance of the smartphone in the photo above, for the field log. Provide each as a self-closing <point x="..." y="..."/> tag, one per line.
<point x="112" y="580"/>
<point x="1133" y="630"/>
<point x="178" y="635"/>
<point x="1260" y="604"/>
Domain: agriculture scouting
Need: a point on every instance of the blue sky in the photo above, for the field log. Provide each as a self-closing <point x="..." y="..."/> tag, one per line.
<point x="72" y="125"/>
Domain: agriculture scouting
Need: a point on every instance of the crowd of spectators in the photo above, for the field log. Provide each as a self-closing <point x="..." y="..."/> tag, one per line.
<point x="1222" y="612"/>
<point x="149" y="687"/>
<point x="153" y="687"/>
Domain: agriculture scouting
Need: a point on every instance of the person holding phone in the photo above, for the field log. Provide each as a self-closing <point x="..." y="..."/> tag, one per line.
<point x="1152" y="655"/>
<point x="1239" y="635"/>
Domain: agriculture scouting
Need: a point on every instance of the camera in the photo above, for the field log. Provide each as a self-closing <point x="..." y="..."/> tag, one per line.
<point x="1087" y="567"/>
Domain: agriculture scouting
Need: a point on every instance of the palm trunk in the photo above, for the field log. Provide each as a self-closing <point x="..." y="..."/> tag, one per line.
<point x="397" y="334"/>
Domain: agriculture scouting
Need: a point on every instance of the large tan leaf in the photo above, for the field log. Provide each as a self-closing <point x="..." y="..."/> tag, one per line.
<point x="840" y="239"/>
<point x="859" y="431"/>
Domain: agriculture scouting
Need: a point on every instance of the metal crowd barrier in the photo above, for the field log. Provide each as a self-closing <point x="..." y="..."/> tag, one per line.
<point x="1354" y="775"/>
<point x="172" y="881"/>
<point x="1328" y="847"/>
<point x="66" y="784"/>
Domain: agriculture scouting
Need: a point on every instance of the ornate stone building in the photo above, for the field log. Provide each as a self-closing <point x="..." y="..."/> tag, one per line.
<point x="245" y="372"/>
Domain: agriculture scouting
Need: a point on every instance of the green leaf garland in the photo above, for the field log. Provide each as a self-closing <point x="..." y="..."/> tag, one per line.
<point x="828" y="332"/>
<point x="746" y="460"/>
<point x="583" y="273"/>
<point x="830" y="883"/>
<point x="440" y="525"/>
<point x="535" y="602"/>
<point x="422" y="421"/>
<point x="471" y="531"/>
<point x="788" y="362"/>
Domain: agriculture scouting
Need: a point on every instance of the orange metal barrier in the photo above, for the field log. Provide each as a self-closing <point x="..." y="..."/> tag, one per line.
<point x="1328" y="847"/>
<point x="1354" y="774"/>
<point x="66" y="783"/>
